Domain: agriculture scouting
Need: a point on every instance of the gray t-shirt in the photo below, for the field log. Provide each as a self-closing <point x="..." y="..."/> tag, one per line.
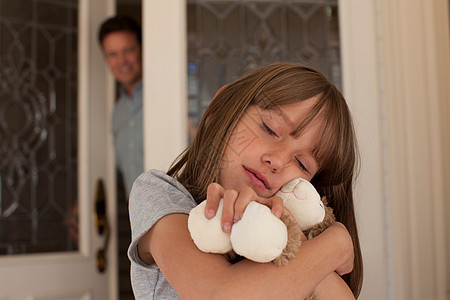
<point x="153" y="196"/>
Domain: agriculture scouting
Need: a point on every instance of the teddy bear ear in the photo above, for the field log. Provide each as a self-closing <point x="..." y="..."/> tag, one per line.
<point x="207" y="234"/>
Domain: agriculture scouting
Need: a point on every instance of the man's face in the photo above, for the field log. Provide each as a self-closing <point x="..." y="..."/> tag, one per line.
<point x="123" y="54"/>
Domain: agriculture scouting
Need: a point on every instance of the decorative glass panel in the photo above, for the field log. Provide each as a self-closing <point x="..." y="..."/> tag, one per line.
<point x="38" y="125"/>
<point x="227" y="39"/>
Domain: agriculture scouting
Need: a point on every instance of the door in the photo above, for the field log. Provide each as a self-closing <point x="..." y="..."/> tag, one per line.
<point x="36" y="92"/>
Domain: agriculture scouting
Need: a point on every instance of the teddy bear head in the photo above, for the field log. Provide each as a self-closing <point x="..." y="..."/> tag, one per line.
<point x="303" y="201"/>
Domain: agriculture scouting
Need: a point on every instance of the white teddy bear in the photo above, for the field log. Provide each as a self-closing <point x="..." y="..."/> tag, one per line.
<point x="259" y="235"/>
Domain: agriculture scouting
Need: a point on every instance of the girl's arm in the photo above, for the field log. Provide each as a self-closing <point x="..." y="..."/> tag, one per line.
<point x="194" y="274"/>
<point x="333" y="287"/>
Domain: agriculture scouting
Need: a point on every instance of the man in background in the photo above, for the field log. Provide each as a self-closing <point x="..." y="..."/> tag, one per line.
<point x="120" y="39"/>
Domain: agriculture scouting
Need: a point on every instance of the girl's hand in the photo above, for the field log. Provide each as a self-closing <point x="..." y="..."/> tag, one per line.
<point x="235" y="202"/>
<point x="344" y="240"/>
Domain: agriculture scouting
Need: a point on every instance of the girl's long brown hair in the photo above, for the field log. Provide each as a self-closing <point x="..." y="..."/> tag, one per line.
<point x="269" y="87"/>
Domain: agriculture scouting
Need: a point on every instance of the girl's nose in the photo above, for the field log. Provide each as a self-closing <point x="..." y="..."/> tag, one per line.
<point x="274" y="161"/>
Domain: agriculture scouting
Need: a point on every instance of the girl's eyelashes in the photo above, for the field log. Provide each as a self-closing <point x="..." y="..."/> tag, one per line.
<point x="267" y="129"/>
<point x="302" y="166"/>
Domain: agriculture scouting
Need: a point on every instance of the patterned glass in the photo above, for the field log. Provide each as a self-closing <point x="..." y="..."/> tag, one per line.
<point x="38" y="125"/>
<point x="227" y="39"/>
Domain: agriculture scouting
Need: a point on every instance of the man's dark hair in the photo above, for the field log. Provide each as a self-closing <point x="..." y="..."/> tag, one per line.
<point x="119" y="23"/>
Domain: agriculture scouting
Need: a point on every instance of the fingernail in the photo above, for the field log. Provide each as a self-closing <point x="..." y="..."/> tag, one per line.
<point x="210" y="213"/>
<point x="227" y="227"/>
<point x="237" y="217"/>
<point x="277" y="213"/>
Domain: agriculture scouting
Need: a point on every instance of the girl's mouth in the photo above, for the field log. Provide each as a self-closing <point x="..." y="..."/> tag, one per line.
<point x="258" y="179"/>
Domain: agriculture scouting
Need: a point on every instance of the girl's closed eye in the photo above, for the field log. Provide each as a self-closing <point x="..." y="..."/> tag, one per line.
<point x="302" y="166"/>
<point x="267" y="129"/>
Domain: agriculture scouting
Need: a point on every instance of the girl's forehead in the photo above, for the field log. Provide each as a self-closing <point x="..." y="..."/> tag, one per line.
<point x="292" y="114"/>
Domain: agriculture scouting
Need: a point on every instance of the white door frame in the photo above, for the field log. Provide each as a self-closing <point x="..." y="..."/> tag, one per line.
<point x="98" y="85"/>
<point x="359" y="53"/>
<point x="165" y="76"/>
<point x="377" y="77"/>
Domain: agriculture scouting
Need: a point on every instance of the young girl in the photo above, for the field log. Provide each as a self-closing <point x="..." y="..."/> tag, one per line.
<point x="280" y="122"/>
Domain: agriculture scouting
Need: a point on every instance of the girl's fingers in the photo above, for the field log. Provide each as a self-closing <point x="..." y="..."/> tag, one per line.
<point x="246" y="195"/>
<point x="213" y="195"/>
<point x="229" y="199"/>
<point x="277" y="206"/>
<point x="345" y="240"/>
<point x="274" y="203"/>
<point x="235" y="203"/>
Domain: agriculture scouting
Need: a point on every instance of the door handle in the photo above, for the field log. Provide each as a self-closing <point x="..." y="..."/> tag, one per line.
<point x="101" y="223"/>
